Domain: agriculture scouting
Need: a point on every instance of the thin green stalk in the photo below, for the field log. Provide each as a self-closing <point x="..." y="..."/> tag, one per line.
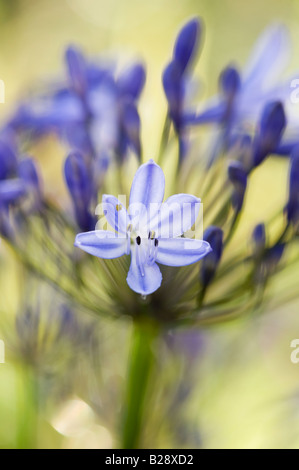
<point x="140" y="367"/>
<point x="27" y="405"/>
<point x="164" y="139"/>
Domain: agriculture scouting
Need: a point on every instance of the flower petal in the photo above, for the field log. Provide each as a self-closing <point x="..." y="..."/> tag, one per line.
<point x="148" y="185"/>
<point x="11" y="190"/>
<point x="102" y="243"/>
<point x="115" y="213"/>
<point x="144" y="279"/>
<point x="269" y="57"/>
<point x="181" y="251"/>
<point x="176" y="216"/>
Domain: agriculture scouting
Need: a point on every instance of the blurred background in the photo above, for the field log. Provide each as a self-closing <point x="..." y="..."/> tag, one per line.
<point x="245" y="389"/>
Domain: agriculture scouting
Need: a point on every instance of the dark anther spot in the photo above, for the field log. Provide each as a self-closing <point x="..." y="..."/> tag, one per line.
<point x="156" y="242"/>
<point x="138" y="240"/>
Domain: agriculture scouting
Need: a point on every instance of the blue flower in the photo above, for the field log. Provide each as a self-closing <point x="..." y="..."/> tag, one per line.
<point x="243" y="95"/>
<point x="176" y="74"/>
<point x="151" y="230"/>
<point x="259" y="240"/>
<point x="238" y="177"/>
<point x="80" y="183"/>
<point x="214" y="236"/>
<point x="95" y="112"/>
<point x="268" y="136"/>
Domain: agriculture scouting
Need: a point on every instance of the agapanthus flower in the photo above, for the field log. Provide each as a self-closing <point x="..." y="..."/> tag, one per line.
<point x="95" y="112"/>
<point x="151" y="230"/>
<point x="177" y="79"/>
<point x="243" y="95"/>
<point x="214" y="236"/>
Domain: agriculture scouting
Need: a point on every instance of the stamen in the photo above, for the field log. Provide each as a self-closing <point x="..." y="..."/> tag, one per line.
<point x="152" y="251"/>
<point x="138" y="240"/>
<point x="151" y="235"/>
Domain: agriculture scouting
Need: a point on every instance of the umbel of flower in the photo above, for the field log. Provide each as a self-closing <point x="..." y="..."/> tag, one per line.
<point x="150" y="231"/>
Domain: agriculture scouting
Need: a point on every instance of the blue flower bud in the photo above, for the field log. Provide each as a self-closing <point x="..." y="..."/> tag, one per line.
<point x="76" y="69"/>
<point x="273" y="257"/>
<point x="238" y="177"/>
<point x="187" y="42"/>
<point x="77" y="178"/>
<point x="259" y="239"/>
<point x="292" y="207"/>
<point x="214" y="236"/>
<point x="131" y="125"/>
<point x="80" y="185"/>
<point x="271" y="128"/>
<point x="29" y="173"/>
<point x="8" y="161"/>
<point x="11" y="191"/>
<point x="230" y="82"/>
<point x="131" y="82"/>
<point x="172" y="83"/>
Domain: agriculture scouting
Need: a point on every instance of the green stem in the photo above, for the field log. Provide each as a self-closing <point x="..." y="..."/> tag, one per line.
<point x="139" y="371"/>
<point x="164" y="139"/>
<point x="28" y="405"/>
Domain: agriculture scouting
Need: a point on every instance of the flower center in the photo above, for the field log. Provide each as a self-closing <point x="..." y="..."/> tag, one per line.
<point x="146" y="248"/>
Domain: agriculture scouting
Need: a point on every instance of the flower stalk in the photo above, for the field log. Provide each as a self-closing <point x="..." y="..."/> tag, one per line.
<point x="141" y="362"/>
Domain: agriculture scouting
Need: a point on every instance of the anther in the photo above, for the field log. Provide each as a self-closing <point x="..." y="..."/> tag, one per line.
<point x="156" y="242"/>
<point x="138" y="240"/>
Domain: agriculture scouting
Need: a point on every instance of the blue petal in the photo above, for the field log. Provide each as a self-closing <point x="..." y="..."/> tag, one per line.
<point x="78" y="180"/>
<point x="29" y="173"/>
<point x="143" y="280"/>
<point x="230" y="81"/>
<point x="181" y="251"/>
<point x="176" y="216"/>
<point x="269" y="57"/>
<point x="102" y="243"/>
<point x="115" y="213"/>
<point x="147" y="189"/>
<point x="213" y="112"/>
<point x="186" y="44"/>
<point x="173" y="87"/>
<point x="11" y="190"/>
<point x="8" y="160"/>
<point x="214" y="236"/>
<point x="131" y="124"/>
<point x="131" y="81"/>
<point x="76" y="69"/>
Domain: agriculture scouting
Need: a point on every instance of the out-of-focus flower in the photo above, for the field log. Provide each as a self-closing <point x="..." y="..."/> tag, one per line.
<point x="214" y="236"/>
<point x="244" y="95"/>
<point x="177" y="78"/>
<point x="151" y="232"/>
<point x="268" y="136"/>
<point x="238" y="177"/>
<point x="95" y="113"/>
<point x="259" y="240"/>
<point x="80" y="183"/>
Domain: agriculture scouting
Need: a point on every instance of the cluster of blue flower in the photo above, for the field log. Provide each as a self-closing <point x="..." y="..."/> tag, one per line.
<point x="96" y="115"/>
